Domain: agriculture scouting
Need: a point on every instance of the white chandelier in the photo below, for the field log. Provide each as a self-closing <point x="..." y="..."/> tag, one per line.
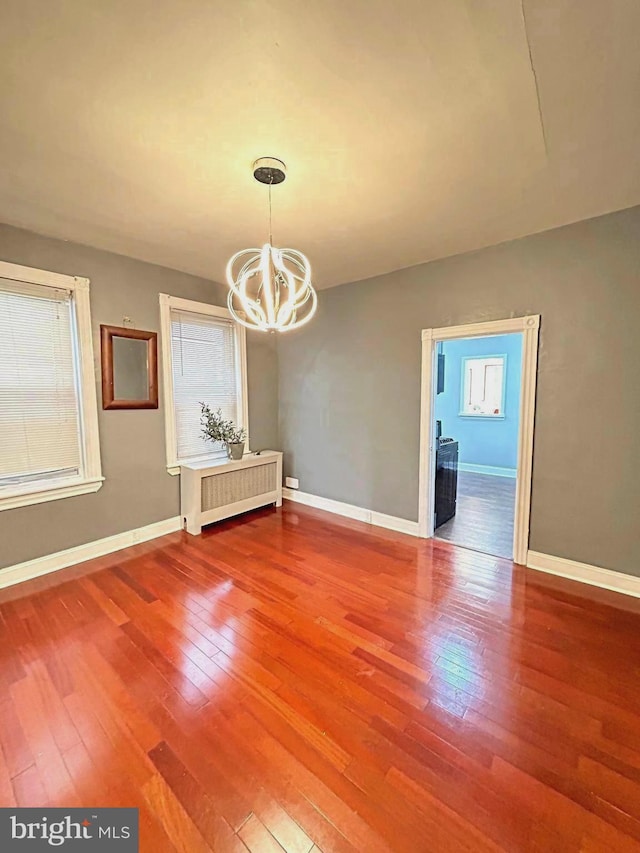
<point x="270" y="288"/>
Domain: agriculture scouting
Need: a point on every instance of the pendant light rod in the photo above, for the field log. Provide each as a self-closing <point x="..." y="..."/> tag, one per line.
<point x="269" y="171"/>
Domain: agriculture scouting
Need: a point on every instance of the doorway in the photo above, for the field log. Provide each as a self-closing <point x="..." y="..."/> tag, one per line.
<point x="476" y="441"/>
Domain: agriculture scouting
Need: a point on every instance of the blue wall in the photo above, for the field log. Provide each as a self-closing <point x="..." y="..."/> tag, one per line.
<point x="483" y="441"/>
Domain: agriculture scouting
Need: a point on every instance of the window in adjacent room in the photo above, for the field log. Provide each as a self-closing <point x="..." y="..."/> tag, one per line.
<point x="204" y="361"/>
<point x="483" y="386"/>
<point x="48" y="411"/>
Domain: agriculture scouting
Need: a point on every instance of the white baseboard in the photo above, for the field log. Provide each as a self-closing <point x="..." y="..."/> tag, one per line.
<point x="392" y="522"/>
<point x="369" y="516"/>
<point x="98" y="548"/>
<point x="583" y="572"/>
<point x="491" y="470"/>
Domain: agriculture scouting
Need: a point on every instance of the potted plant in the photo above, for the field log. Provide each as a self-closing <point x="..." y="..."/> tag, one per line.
<point x="216" y="428"/>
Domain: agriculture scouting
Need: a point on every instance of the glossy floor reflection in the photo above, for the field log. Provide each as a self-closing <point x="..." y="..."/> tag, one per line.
<point x="295" y="681"/>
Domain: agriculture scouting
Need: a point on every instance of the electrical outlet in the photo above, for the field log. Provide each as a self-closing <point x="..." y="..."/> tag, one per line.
<point x="291" y="482"/>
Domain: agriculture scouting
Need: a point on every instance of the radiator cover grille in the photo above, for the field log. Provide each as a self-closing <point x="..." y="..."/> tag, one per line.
<point x="233" y="486"/>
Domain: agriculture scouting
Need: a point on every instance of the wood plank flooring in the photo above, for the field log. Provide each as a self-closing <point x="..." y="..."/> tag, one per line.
<point x="293" y="681"/>
<point x="484" y="514"/>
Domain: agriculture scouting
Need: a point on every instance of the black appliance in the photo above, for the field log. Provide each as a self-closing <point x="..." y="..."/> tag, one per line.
<point x="446" y="479"/>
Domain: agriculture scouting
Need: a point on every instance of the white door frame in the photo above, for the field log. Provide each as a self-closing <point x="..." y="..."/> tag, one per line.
<point x="529" y="326"/>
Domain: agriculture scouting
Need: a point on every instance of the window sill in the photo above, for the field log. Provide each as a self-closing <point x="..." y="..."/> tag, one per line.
<point x="174" y="467"/>
<point x="174" y="470"/>
<point x="37" y="494"/>
<point x="486" y="417"/>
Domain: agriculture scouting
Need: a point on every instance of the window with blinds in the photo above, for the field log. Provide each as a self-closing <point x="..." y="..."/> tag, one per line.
<point x="483" y="386"/>
<point x="40" y="422"/>
<point x="205" y="367"/>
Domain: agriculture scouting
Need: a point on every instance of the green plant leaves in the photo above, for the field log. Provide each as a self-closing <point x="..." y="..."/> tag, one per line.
<point x="216" y="428"/>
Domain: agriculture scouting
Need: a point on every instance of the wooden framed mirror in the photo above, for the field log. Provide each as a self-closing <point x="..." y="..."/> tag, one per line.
<point x="129" y="368"/>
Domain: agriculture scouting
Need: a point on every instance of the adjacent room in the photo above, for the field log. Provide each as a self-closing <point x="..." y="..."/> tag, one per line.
<point x="319" y="416"/>
<point x="477" y="409"/>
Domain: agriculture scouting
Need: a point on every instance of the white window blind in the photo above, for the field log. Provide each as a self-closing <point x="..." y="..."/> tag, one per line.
<point x="39" y="402"/>
<point x="205" y="369"/>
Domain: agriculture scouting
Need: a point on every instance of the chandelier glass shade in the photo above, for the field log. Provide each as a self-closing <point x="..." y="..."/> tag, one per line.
<point x="270" y="289"/>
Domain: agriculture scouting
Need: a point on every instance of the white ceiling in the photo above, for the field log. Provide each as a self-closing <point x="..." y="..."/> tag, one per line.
<point x="411" y="128"/>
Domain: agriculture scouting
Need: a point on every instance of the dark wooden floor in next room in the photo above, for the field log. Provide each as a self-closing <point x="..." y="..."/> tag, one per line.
<point x="295" y="681"/>
<point x="484" y="514"/>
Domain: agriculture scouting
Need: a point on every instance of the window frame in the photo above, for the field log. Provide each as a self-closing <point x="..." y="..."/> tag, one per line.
<point x="487" y="416"/>
<point x="176" y="303"/>
<point x="90" y="479"/>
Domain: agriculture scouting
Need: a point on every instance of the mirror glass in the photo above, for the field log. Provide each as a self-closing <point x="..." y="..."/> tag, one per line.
<point x="130" y="369"/>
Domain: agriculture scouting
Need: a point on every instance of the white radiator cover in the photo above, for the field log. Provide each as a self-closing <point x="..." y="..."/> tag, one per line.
<point x="211" y="491"/>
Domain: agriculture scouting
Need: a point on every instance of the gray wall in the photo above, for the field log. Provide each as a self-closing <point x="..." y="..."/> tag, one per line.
<point x="349" y="387"/>
<point x="350" y="382"/>
<point x="138" y="490"/>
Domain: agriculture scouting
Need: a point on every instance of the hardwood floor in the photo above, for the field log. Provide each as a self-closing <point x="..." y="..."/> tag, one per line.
<point x="484" y="514"/>
<point x="295" y="681"/>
